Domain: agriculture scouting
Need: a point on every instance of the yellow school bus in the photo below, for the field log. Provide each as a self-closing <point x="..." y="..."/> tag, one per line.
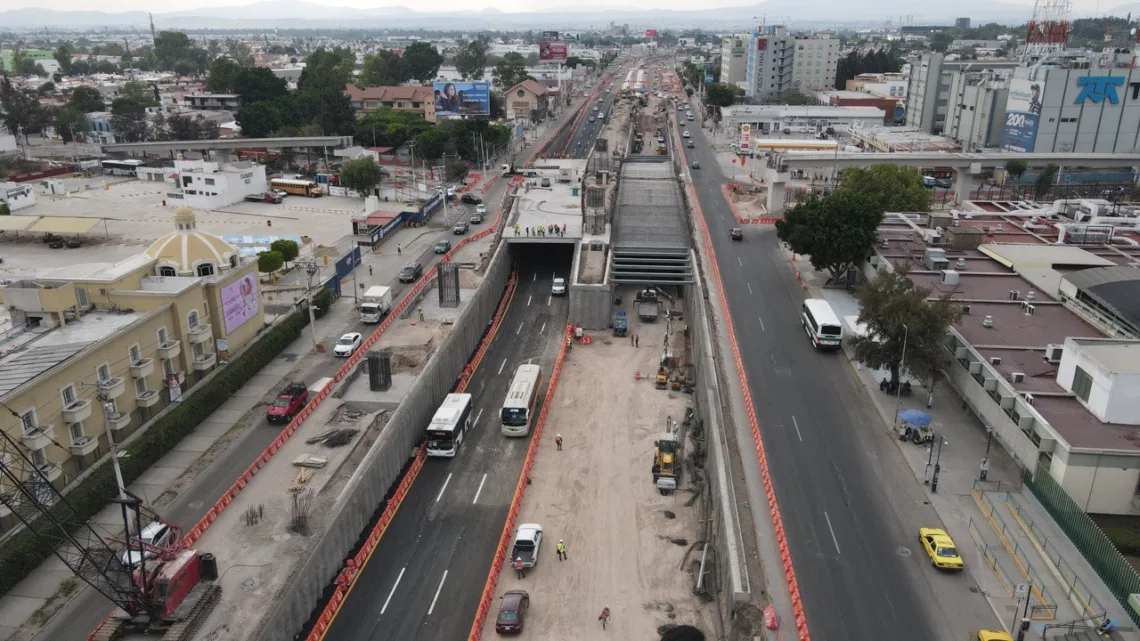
<point x="297" y="187"/>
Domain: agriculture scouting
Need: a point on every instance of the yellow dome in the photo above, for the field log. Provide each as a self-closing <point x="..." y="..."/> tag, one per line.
<point x="186" y="248"/>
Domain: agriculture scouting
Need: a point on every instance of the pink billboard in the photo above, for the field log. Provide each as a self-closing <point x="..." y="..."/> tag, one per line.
<point x="240" y="301"/>
<point x="554" y="50"/>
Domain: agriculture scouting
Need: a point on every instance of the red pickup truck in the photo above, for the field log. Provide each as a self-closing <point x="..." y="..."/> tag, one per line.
<point x="288" y="403"/>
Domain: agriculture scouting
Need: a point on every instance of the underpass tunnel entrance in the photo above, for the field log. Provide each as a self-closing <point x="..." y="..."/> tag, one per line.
<point x="543" y="260"/>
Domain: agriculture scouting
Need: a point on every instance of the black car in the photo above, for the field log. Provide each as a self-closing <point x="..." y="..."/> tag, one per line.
<point x="411" y="273"/>
<point x="460" y="228"/>
<point x="737" y="233"/>
<point x="470" y="199"/>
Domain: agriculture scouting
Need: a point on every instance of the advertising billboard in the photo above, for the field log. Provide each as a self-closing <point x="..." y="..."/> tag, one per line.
<point x="708" y="78"/>
<point x="241" y="301"/>
<point x="552" y="50"/>
<point x="462" y="99"/>
<point x="1022" y="114"/>
<point x="650" y="33"/>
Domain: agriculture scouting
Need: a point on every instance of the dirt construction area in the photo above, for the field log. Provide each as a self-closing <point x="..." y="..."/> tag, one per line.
<point x="627" y="546"/>
<point x="749" y="200"/>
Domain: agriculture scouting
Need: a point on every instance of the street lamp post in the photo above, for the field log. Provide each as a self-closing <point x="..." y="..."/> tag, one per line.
<point x="937" y="465"/>
<point x="311" y="270"/>
<point x="898" y="383"/>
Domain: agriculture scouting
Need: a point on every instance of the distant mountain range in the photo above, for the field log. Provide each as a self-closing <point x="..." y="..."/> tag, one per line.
<point x="302" y="15"/>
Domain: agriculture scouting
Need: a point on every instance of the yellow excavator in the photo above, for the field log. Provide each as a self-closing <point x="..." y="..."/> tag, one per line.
<point x="666" y="463"/>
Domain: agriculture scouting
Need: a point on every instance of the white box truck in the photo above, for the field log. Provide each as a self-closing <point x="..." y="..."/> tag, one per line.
<point x="375" y="304"/>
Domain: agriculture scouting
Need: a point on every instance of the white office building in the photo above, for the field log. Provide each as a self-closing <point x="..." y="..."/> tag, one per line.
<point x="210" y="185"/>
<point x="929" y="92"/>
<point x="814" y="63"/>
<point x="734" y="51"/>
<point x="780" y="63"/>
<point x="772" y="119"/>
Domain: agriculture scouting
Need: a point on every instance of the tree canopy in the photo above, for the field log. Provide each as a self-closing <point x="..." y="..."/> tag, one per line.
<point x="722" y="95"/>
<point x="128" y="113"/>
<point x="509" y="72"/>
<point x="360" y="174"/>
<point x="471" y="61"/>
<point x="258" y="120"/>
<point x="1045" y="180"/>
<point x="254" y="84"/>
<point x="835" y="232"/>
<point x="422" y="61"/>
<point x="328" y="69"/>
<point x="68" y="120"/>
<point x="175" y="51"/>
<point x="891" y="187"/>
<point x="382" y="69"/>
<point x="389" y="127"/>
<point x="894" y="310"/>
<point x="220" y="78"/>
<point x="86" y="99"/>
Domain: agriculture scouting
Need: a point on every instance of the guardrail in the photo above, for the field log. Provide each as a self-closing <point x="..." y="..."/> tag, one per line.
<point x="991" y="559"/>
<point x="1028" y="571"/>
<point x="488" y="597"/>
<point x="769" y="489"/>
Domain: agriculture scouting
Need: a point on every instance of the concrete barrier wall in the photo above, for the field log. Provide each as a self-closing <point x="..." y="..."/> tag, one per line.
<point x="381" y="466"/>
<point x="591" y="306"/>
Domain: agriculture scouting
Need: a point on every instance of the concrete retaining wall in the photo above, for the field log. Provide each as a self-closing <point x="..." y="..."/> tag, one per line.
<point x="381" y="466"/>
<point x="591" y="306"/>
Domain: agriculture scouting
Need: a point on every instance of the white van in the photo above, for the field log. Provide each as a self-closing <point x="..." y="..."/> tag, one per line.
<point x="821" y="324"/>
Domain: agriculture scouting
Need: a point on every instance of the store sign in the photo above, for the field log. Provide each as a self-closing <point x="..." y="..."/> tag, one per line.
<point x="1097" y="89"/>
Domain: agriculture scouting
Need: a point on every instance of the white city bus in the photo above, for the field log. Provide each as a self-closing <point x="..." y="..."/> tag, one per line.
<point x="518" y="409"/>
<point x="451" y="422"/>
<point x="128" y="167"/>
<point x="821" y="324"/>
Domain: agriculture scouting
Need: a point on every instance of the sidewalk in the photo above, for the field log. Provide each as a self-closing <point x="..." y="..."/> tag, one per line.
<point x="42" y="587"/>
<point x="995" y="514"/>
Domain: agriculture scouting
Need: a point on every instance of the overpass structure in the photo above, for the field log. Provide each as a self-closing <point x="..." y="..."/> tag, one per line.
<point x="964" y="165"/>
<point x="171" y="146"/>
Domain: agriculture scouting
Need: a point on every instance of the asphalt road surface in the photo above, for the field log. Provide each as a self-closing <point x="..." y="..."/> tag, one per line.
<point x="79" y="617"/>
<point x="582" y="142"/>
<point x="844" y="536"/>
<point x="425" y="579"/>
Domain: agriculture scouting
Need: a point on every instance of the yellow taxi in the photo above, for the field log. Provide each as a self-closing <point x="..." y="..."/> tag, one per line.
<point x="940" y="548"/>
<point x="994" y="635"/>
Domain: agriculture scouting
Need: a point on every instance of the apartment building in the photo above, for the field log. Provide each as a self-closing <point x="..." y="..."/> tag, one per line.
<point x="976" y="115"/>
<point x="96" y="350"/>
<point x="929" y="96"/>
<point x="734" y="51"/>
<point x="780" y="63"/>
<point x="417" y="99"/>
<point x="815" y="62"/>
<point x="212" y="101"/>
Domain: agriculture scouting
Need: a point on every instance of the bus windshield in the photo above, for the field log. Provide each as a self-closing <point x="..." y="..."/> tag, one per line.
<point x="514" y="416"/>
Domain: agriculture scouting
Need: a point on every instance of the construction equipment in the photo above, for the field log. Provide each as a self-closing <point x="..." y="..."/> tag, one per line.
<point x="156" y="586"/>
<point x="621" y="324"/>
<point x="667" y="457"/>
<point x="646" y="300"/>
<point x="662" y="380"/>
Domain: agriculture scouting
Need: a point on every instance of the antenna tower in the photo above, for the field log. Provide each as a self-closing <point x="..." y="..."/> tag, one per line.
<point x="152" y="36"/>
<point x="1048" y="29"/>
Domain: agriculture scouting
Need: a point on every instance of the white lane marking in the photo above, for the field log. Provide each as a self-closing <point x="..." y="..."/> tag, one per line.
<point x="519" y="329"/>
<point x="762" y="328"/>
<point x="740" y="261"/>
<point x="441" y="490"/>
<point x="535" y="277"/>
<point x="480" y="490"/>
<point x="796" y="423"/>
<point x="528" y="299"/>
<point x="543" y="328"/>
<point x="749" y="287"/>
<point x="437" y="591"/>
<point x="477" y="417"/>
<point x="385" y="607"/>
<point x="502" y="366"/>
<point x="833" y="539"/>
<point x="548" y="299"/>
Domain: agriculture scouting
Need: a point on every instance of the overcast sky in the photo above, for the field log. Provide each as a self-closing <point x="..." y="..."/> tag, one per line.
<point x="1080" y="7"/>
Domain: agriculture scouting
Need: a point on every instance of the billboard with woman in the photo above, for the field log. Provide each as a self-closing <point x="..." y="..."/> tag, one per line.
<point x="462" y="99"/>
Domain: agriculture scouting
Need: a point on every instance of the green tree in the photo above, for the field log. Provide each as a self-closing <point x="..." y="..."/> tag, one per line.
<point x="382" y="69"/>
<point x="287" y="248"/>
<point x="471" y="61"/>
<point x="258" y="119"/>
<point x="62" y="55"/>
<point x="1045" y="180"/>
<point x="269" y="261"/>
<point x="328" y="70"/>
<point x="175" y="51"/>
<point x="189" y="127"/>
<point x="69" y="120"/>
<point x="835" y="231"/>
<point x="1016" y="168"/>
<point x="223" y="72"/>
<point x="46" y="89"/>
<point x="722" y="95"/>
<point x="422" y="61"/>
<point x="239" y="52"/>
<point x="86" y="100"/>
<point x="508" y="73"/>
<point x="22" y="111"/>
<point x="129" y="119"/>
<point x="891" y="187"/>
<point x="29" y="67"/>
<point x="360" y="174"/>
<point x="80" y="68"/>
<point x="389" y="127"/>
<point x="896" y="311"/>
<point x="940" y="42"/>
<point x="255" y="84"/>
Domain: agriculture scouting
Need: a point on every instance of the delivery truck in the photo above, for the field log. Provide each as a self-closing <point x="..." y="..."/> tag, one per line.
<point x="375" y="304"/>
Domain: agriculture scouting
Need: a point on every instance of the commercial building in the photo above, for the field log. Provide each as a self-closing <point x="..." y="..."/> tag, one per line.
<point x="771" y="119"/>
<point x="99" y="349"/>
<point x="814" y="62"/>
<point x="892" y="107"/>
<point x="780" y="63"/>
<point x="420" y="100"/>
<point x="891" y="140"/>
<point x="1088" y="104"/>
<point x="734" y="50"/>
<point x="976" y="114"/>
<point x="525" y="99"/>
<point x="887" y="85"/>
<point x="929" y="91"/>
<point x="1045" y="351"/>
<point x="204" y="184"/>
<point x="213" y="102"/>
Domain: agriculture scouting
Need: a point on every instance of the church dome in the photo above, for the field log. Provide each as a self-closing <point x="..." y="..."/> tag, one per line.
<point x="189" y="252"/>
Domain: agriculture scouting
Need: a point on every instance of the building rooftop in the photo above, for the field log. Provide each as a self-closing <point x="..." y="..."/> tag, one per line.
<point x="649" y="209"/>
<point x="1121" y="357"/>
<point x="99" y="272"/>
<point x="1114" y="288"/>
<point x="556" y="205"/>
<point x="809" y="111"/>
<point x="55" y="346"/>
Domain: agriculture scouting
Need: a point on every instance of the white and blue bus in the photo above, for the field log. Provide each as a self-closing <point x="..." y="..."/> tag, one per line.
<point x="449" y="425"/>
<point x="821" y="324"/>
<point x="128" y="167"/>
<point x="518" y="410"/>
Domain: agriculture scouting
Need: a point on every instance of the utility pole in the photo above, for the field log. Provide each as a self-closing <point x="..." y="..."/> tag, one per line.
<point x="311" y="270"/>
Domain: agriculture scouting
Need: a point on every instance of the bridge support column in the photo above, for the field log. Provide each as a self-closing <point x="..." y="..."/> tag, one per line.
<point x="776" y="185"/>
<point x="964" y="181"/>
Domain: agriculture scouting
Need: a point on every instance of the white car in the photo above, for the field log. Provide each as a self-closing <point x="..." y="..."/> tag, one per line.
<point x="156" y="534"/>
<point x="348" y="344"/>
<point x="686" y="134"/>
<point x="481" y="209"/>
<point x="558" y="287"/>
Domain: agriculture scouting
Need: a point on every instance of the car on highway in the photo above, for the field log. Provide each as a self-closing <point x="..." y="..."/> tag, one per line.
<point x="696" y="165"/>
<point x="558" y="287"/>
<point x="475" y="218"/>
<point x="736" y="233"/>
<point x="470" y="199"/>
<point x="411" y="273"/>
<point x="288" y="403"/>
<point x="591" y="119"/>
<point x="940" y="548"/>
<point x="281" y="192"/>
<point x="461" y="228"/>
<point x="686" y="135"/>
<point x="512" y="612"/>
<point x="994" y="635"/>
<point x="348" y="344"/>
<point x="681" y="123"/>
<point x="443" y="246"/>
<point x="690" y="144"/>
<point x="266" y="197"/>
<point x="481" y="209"/>
<point x="155" y="535"/>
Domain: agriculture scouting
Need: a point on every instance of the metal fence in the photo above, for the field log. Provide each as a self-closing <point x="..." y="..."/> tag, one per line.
<point x="1021" y="557"/>
<point x="1092" y="542"/>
